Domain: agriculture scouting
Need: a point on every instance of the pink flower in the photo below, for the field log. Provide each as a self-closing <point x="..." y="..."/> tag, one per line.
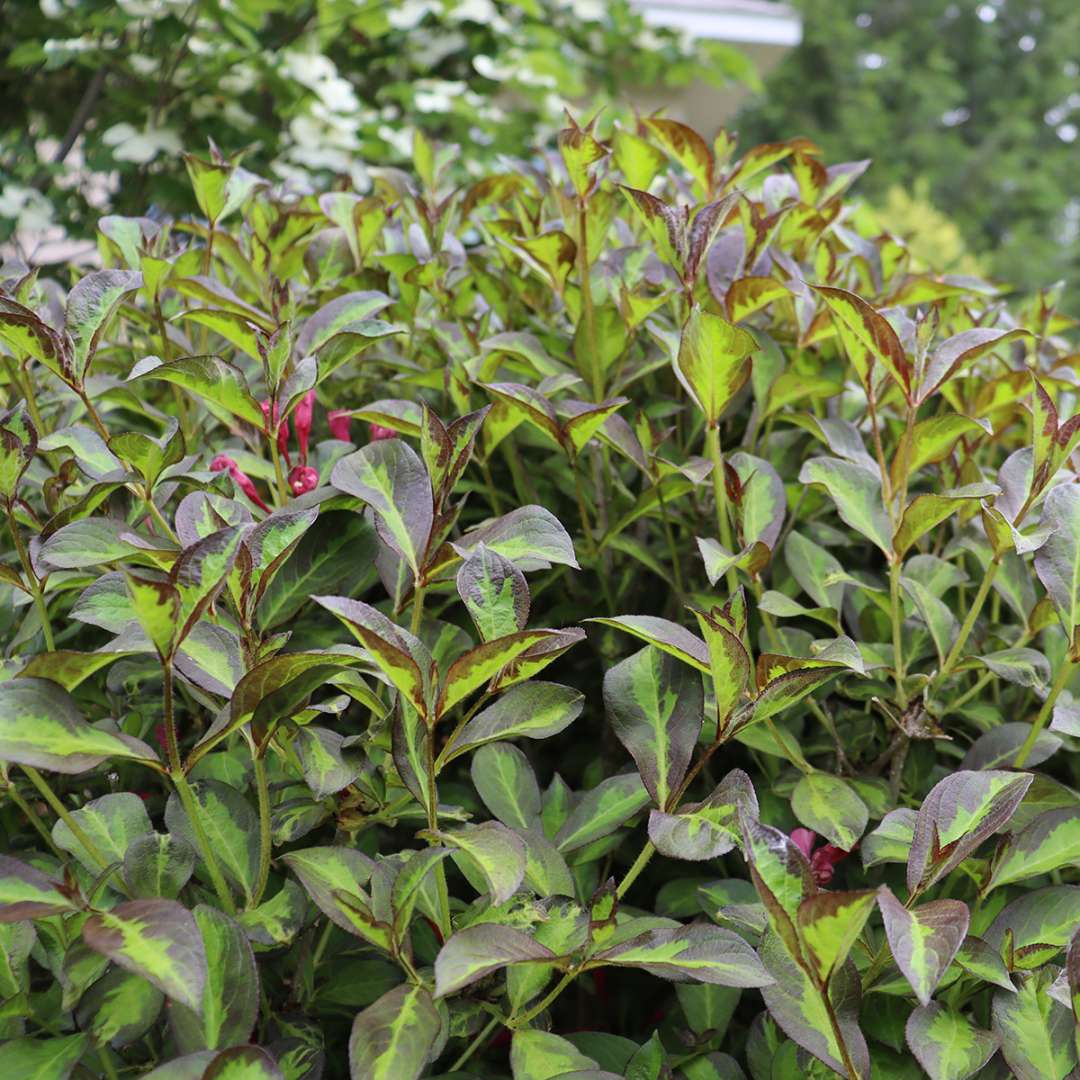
<point x="379" y="432"/>
<point x="282" y="429"/>
<point x="222" y="463"/>
<point x="302" y="423"/>
<point x="339" y="421"/>
<point x="822" y="861"/>
<point x="302" y="479"/>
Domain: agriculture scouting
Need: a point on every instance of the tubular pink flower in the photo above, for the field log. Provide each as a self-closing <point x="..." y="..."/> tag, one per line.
<point x="339" y="421"/>
<point x="302" y="423"/>
<point x="377" y="432"/>
<point x="240" y="478"/>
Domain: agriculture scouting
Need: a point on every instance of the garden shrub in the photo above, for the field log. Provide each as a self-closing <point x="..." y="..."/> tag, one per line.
<point x="608" y="619"/>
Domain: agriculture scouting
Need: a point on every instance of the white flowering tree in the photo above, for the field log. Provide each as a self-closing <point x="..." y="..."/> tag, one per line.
<point x="100" y="96"/>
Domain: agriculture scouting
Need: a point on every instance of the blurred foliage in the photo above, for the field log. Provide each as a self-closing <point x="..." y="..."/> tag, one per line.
<point x="980" y="97"/>
<point x="99" y="96"/>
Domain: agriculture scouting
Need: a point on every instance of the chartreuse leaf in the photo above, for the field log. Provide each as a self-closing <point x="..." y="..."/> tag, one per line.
<point x="482" y="663"/>
<point x="713" y="361"/>
<point x="158" y="865"/>
<point x="43" y="1059"/>
<point x="947" y="1044"/>
<point x="505" y="781"/>
<point x="119" y="1008"/>
<point x="156" y="605"/>
<point x="543" y="1055"/>
<point x="1049" y="842"/>
<point x="729" y="663"/>
<point x="664" y="634"/>
<point x="230" y="999"/>
<point x="1036" y="1031"/>
<point x="707" y="829"/>
<point x="956" y="816"/>
<point x="830" y="806"/>
<point x="498" y="854"/>
<point x="477" y="951"/>
<point x="655" y="705"/>
<point x="408" y="884"/>
<point x="157" y="939"/>
<point x="41" y="726"/>
<point x="829" y="924"/>
<point x="392" y="480"/>
<point x="700" y="951"/>
<point x="925" y="512"/>
<point x="243" y="1063"/>
<point x="923" y="940"/>
<point x="601" y="810"/>
<point x="1057" y="562"/>
<point x="531" y="710"/>
<point x="328" y="874"/>
<point x="212" y="379"/>
<point x="394" y="1037"/>
<point x="91" y="304"/>
<point x="495" y="593"/>
<point x="112" y="823"/>
<point x="26" y="893"/>
<point x="856" y="491"/>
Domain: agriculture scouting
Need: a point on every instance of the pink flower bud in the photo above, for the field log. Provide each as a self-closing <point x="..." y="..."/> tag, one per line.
<point x="240" y="478"/>
<point x="379" y="432"/>
<point x="282" y="429"/>
<point x="222" y="462"/>
<point x="823" y="863"/>
<point x="302" y="479"/>
<point x="302" y="423"/>
<point x="804" y="839"/>
<point x="339" y="421"/>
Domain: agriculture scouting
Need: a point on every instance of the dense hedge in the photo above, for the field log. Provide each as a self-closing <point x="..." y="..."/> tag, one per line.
<point x="603" y="620"/>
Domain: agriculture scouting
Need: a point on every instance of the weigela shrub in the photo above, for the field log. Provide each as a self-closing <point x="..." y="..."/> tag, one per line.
<point x="609" y="620"/>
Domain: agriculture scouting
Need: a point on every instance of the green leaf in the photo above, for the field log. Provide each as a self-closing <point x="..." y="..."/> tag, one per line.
<point x="828" y="805"/>
<point x="957" y="352"/>
<point x="1049" y="842"/>
<point x="940" y="621"/>
<point x="18" y="443"/>
<point x="212" y="379"/>
<point x="947" y="1044"/>
<point x="926" y="512"/>
<point x="157" y="939"/>
<point x="1036" y="1031"/>
<point x="829" y="924"/>
<point x="815" y="570"/>
<point x="479" y="950"/>
<point x="781" y="875"/>
<point x="158" y="865"/>
<point x="729" y="662"/>
<point x="666" y="635"/>
<point x="506" y="783"/>
<point x="482" y="663"/>
<point x="230" y="998"/>
<point x="328" y="873"/>
<point x="531" y="710"/>
<point x="88" y="542"/>
<point x="1057" y="562"/>
<point x="41" y="726"/>
<point x="923" y="940"/>
<point x="408" y="885"/>
<point x="43" y="1059"/>
<point x="656" y="708"/>
<point x="602" y="810"/>
<point x="713" y="362"/>
<point x="707" y="829"/>
<point x="856" y="491"/>
<point x="243" y="1063"/>
<point x="325" y="769"/>
<point x="91" y="305"/>
<point x="531" y="537"/>
<point x="701" y="951"/>
<point x="543" y="1055"/>
<point x="393" y="481"/>
<point x="498" y="854"/>
<point x="395" y="1037"/>
<point x="495" y="593"/>
<point x="956" y="816"/>
<point x="26" y="893"/>
<point x="112" y="823"/>
<point x="119" y="1008"/>
<point x="156" y="605"/>
<point x="346" y="313"/>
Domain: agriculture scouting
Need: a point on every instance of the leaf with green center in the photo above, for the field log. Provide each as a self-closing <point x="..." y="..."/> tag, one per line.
<point x="26" y="333"/>
<point x="543" y="1055"/>
<point x="719" y="561"/>
<point x="408" y="885"/>
<point x="243" y="1063"/>
<point x="238" y="330"/>
<point x="157" y="939"/>
<point x="713" y="362"/>
<point x="156" y="605"/>
<point x="200" y="572"/>
<point x="1048" y="843"/>
<point x="940" y="621"/>
<point x="686" y="146"/>
<point x="925" y="940"/>
<point x="119" y="1008"/>
<point x="956" y="353"/>
<point x="530" y="537"/>
<point x="479" y="950"/>
<point x="328" y="873"/>
<point x="394" y="1038"/>
<point x="815" y="569"/>
<point x="729" y="662"/>
<point x="506" y="783"/>
<point x="638" y="160"/>
<point x="26" y="893"/>
<point x="393" y="481"/>
<point x="891" y="840"/>
<point x="865" y="331"/>
<point x="601" y="810"/>
<point x="401" y="657"/>
<point x="230" y="999"/>
<point x="956" y="816"/>
<point x="799" y="1008"/>
<point x="856" y="491"/>
<point x="41" y="726"/>
<point x="112" y="823"/>
<point x="91" y="304"/>
<point x="211" y="378"/>
<point x="947" y="1044"/>
<point x="655" y="706"/>
<point x="68" y="669"/>
<point x="707" y="829"/>
<point x="531" y="710"/>
<point x="517" y="403"/>
<point x="482" y="663"/>
<point x="554" y="253"/>
<point x="666" y="635"/>
<point x="43" y="1059"/>
<point x="229" y="823"/>
<point x="497" y="852"/>
<point x="1057" y="562"/>
<point x="829" y="924"/>
<point x="1036" y="1032"/>
<point x="978" y="958"/>
<point x="158" y="865"/>
<point x="1042" y="917"/>
<point x="325" y="769"/>
<point x="337" y="315"/>
<point x="18" y="443"/>
<point x="926" y="512"/>
<point x="789" y="682"/>
<point x="495" y="593"/>
<point x="89" y="542"/>
<point x="830" y="806"/>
